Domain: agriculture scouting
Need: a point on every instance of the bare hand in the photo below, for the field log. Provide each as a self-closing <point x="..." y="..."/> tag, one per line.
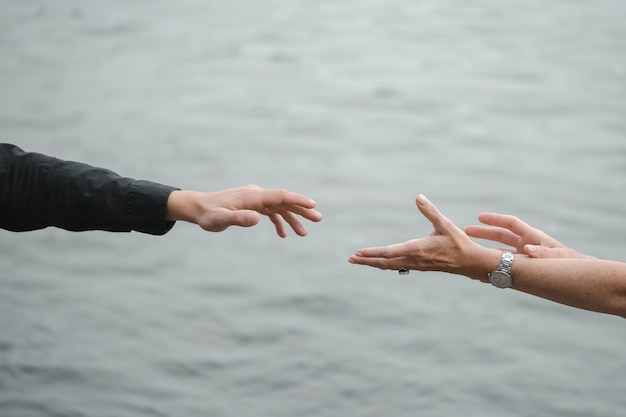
<point x="513" y="232"/>
<point x="446" y="249"/>
<point x="241" y="206"/>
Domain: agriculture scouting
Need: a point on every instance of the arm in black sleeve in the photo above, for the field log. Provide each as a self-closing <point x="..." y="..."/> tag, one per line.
<point x="37" y="191"/>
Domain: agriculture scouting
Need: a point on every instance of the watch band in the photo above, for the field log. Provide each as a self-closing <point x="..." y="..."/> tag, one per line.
<point x="501" y="277"/>
<point x="506" y="262"/>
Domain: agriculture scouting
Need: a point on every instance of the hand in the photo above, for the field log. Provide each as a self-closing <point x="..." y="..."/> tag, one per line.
<point x="446" y="249"/>
<point x="241" y="206"/>
<point x="511" y="231"/>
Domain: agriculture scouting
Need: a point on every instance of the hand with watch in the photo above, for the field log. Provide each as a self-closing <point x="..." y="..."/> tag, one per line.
<point x="543" y="266"/>
<point x="446" y="249"/>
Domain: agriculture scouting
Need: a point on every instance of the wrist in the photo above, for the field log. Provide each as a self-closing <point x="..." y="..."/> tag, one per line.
<point x="183" y="205"/>
<point x="486" y="261"/>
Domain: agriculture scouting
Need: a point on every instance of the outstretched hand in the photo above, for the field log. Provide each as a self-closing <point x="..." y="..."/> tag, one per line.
<point x="528" y="240"/>
<point x="242" y="206"/>
<point x="446" y="249"/>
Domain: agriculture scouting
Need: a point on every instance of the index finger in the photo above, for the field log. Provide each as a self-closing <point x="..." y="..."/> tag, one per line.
<point x="387" y="252"/>
<point x="276" y="201"/>
<point x="505" y="221"/>
<point x="281" y="197"/>
<point x="497" y="234"/>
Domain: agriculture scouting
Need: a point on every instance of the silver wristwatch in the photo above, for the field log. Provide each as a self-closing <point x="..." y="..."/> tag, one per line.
<point x="501" y="277"/>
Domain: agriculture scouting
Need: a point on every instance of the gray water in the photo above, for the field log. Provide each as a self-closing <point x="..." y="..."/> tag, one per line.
<point x="515" y="107"/>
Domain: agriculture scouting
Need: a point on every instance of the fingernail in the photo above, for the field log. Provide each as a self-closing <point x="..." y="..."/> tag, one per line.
<point x="531" y="249"/>
<point x="421" y="199"/>
<point x="251" y="218"/>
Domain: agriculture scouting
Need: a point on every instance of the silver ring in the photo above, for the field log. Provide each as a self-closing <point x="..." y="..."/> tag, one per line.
<point x="403" y="271"/>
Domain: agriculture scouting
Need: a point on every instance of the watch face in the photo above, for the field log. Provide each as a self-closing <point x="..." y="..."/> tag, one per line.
<point x="500" y="279"/>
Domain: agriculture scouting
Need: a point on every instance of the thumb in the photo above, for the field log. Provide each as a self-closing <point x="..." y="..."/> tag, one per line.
<point x="432" y="213"/>
<point x="221" y="220"/>
<point x="243" y="218"/>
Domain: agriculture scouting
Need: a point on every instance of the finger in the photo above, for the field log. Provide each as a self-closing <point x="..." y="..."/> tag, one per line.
<point x="285" y="198"/>
<point x="242" y="218"/>
<point x="307" y="213"/>
<point x="495" y="234"/>
<point x="310" y="214"/>
<point x="384" y="252"/>
<point x="286" y="216"/>
<point x="536" y="251"/>
<point x="277" y="220"/>
<point x="380" y="263"/>
<point x="506" y="221"/>
<point x="222" y="219"/>
<point x="295" y="224"/>
<point x="440" y="223"/>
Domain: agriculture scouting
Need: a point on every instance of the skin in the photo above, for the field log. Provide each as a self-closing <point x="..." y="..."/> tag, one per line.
<point x="542" y="267"/>
<point x="242" y="206"/>
<point x="528" y="240"/>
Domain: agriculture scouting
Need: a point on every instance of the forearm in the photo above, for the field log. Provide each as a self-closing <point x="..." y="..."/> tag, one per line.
<point x="37" y="191"/>
<point x="586" y="283"/>
<point x="590" y="284"/>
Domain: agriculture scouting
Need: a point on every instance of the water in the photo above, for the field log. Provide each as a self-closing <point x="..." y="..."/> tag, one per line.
<point x="516" y="107"/>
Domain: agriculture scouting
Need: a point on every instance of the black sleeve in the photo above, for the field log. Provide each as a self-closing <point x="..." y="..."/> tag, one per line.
<point x="37" y="191"/>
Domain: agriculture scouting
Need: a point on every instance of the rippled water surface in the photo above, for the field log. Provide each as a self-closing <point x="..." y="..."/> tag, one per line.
<point x="515" y="107"/>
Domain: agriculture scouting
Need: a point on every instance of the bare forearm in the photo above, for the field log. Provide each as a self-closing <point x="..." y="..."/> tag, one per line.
<point x="590" y="284"/>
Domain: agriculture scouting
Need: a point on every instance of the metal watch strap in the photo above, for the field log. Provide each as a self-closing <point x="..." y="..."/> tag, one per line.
<point x="506" y="262"/>
<point x="501" y="277"/>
